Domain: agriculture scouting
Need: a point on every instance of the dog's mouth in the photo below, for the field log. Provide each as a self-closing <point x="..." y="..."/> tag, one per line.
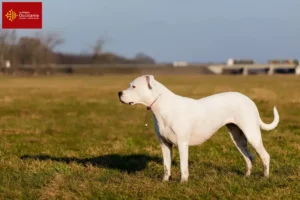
<point x="123" y="102"/>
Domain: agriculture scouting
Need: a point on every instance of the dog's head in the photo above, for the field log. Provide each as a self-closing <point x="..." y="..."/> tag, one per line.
<point x="140" y="91"/>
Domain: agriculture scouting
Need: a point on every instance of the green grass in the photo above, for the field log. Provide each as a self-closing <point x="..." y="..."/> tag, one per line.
<point x="70" y="138"/>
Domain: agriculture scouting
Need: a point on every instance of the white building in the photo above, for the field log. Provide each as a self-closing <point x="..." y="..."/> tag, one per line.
<point x="180" y="64"/>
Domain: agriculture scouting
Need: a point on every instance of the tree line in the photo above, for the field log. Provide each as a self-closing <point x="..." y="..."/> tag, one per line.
<point x="40" y="49"/>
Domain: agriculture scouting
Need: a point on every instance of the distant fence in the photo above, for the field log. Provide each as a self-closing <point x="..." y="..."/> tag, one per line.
<point x="104" y="69"/>
<point x="122" y="69"/>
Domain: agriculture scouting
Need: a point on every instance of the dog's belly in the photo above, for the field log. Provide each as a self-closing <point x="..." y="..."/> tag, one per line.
<point x="199" y="138"/>
<point x="203" y="131"/>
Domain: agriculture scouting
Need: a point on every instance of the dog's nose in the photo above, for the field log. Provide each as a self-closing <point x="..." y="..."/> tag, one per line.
<point x="120" y="93"/>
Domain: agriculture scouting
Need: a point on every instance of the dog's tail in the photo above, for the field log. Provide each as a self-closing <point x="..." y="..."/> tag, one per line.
<point x="268" y="127"/>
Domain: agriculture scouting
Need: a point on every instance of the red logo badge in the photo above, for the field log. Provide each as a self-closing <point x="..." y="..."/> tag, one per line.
<point x="21" y="15"/>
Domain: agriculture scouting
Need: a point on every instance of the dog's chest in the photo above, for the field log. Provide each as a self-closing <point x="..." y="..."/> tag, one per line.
<point x="164" y="130"/>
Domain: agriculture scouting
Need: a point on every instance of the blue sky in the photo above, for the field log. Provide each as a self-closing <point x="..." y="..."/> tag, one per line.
<point x="169" y="30"/>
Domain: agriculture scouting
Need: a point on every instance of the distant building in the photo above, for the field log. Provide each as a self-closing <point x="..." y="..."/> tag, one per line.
<point x="274" y="61"/>
<point x="180" y="64"/>
<point x="232" y="61"/>
<point x="284" y="61"/>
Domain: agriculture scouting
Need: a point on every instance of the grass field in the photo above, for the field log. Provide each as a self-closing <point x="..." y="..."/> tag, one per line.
<point x="71" y="138"/>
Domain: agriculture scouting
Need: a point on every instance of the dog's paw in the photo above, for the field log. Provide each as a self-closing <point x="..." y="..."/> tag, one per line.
<point x="183" y="181"/>
<point x="166" y="178"/>
<point x="248" y="173"/>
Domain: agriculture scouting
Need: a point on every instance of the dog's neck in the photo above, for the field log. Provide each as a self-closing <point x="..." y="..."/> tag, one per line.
<point x="161" y="89"/>
<point x="161" y="92"/>
<point x="149" y="107"/>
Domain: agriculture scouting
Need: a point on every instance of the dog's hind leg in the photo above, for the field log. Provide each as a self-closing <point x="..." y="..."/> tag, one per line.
<point x="260" y="149"/>
<point x="253" y="135"/>
<point x="240" y="142"/>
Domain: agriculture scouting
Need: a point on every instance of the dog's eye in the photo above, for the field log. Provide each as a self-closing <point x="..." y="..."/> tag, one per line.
<point x="133" y="86"/>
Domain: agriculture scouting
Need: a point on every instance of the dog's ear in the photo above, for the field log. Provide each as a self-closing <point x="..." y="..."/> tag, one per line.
<point x="150" y="80"/>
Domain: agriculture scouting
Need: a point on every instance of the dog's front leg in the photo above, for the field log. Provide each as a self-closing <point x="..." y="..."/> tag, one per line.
<point x="183" y="148"/>
<point x="167" y="158"/>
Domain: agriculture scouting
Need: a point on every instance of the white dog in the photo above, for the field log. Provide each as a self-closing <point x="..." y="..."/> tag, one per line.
<point x="185" y="122"/>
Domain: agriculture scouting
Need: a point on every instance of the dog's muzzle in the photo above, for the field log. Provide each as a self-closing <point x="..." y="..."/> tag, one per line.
<point x="120" y="95"/>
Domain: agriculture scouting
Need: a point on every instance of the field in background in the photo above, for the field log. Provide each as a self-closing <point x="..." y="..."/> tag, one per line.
<point x="70" y="138"/>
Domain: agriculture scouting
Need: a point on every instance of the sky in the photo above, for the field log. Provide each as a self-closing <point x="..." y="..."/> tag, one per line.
<point x="174" y="30"/>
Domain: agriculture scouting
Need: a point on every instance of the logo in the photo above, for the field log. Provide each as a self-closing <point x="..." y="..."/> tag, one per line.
<point x="11" y="15"/>
<point x="21" y="15"/>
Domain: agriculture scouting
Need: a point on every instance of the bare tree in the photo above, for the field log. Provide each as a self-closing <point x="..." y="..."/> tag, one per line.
<point x="49" y="42"/>
<point x="29" y="50"/>
<point x="98" y="48"/>
<point x="144" y="59"/>
<point x="8" y="39"/>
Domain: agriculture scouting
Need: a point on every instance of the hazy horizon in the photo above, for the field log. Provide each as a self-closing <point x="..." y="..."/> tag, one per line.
<point x="192" y="31"/>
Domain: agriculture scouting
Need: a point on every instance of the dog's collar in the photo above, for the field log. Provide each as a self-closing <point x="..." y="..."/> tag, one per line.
<point x="149" y="107"/>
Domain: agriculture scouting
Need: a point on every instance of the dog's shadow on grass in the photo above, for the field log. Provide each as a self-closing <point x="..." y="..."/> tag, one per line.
<point x="128" y="163"/>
